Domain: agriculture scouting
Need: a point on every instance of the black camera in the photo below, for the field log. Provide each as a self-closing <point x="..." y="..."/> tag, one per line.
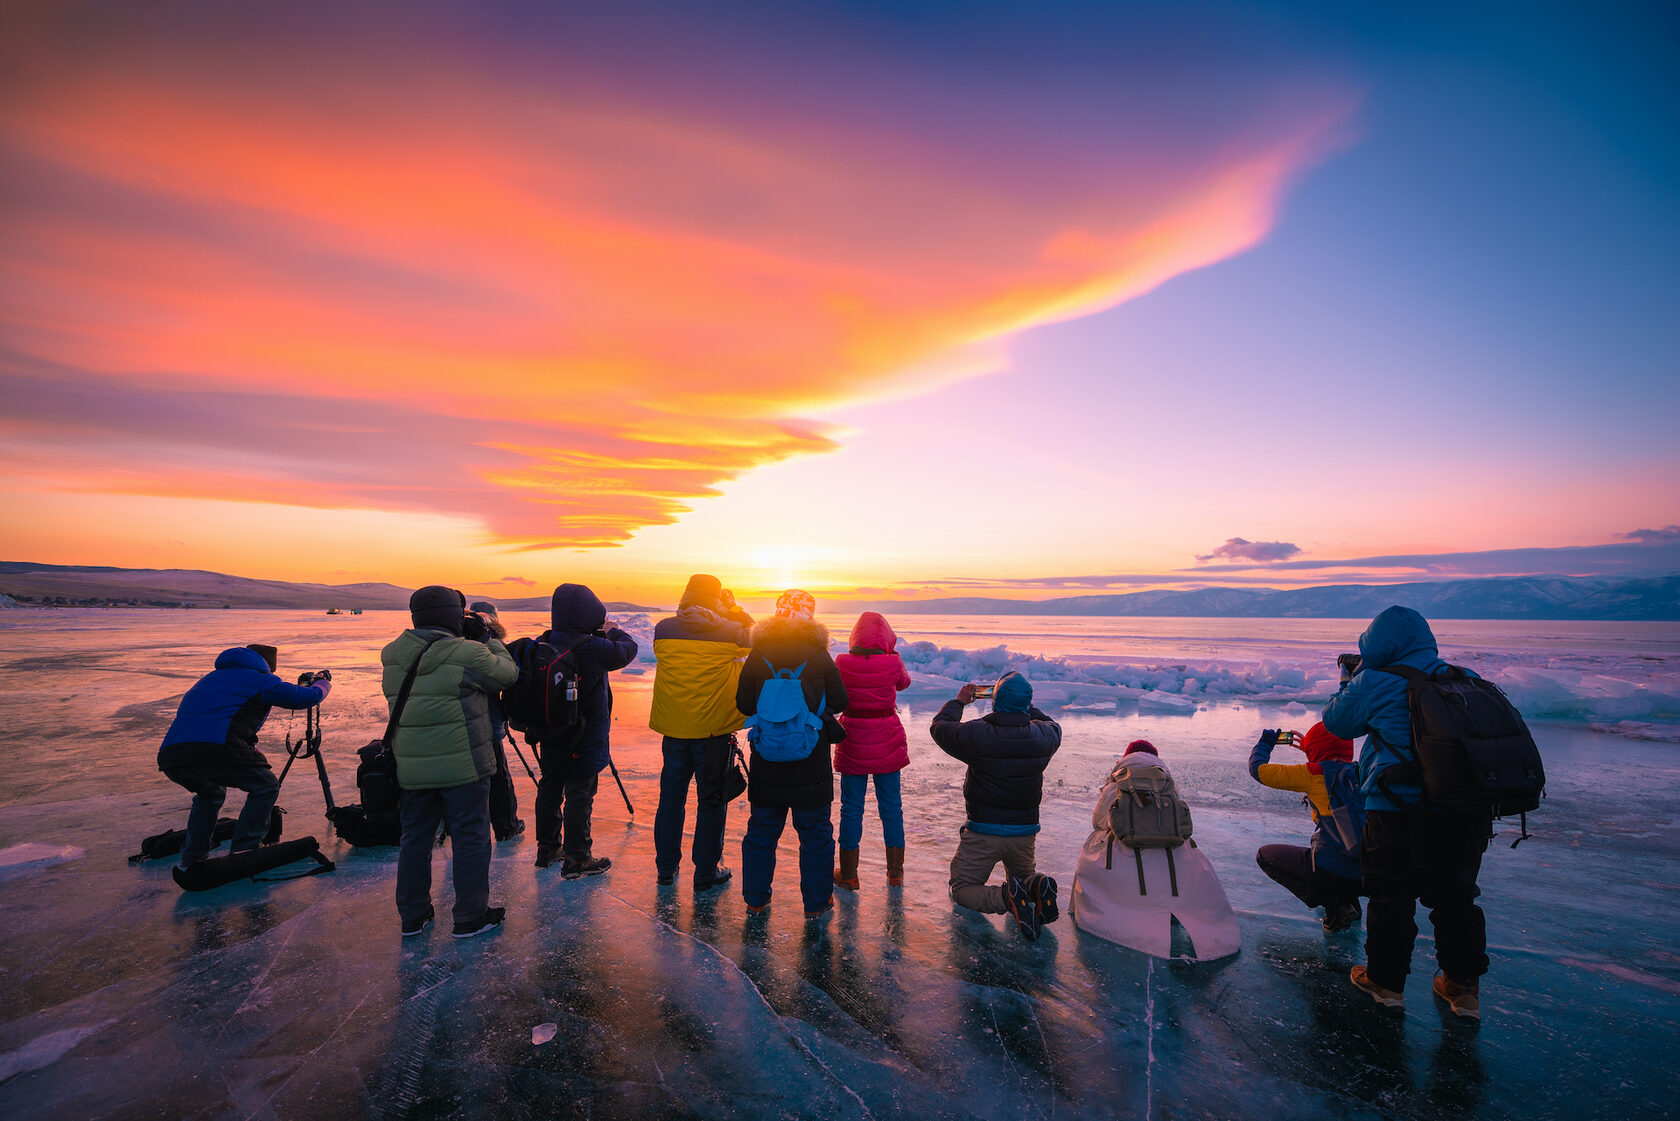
<point x="1349" y="664"/>
<point x="473" y="625"/>
<point x="312" y="676"/>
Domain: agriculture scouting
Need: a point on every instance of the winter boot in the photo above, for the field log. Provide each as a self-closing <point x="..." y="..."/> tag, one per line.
<point x="846" y="875"/>
<point x="1388" y="998"/>
<point x="895" y="867"/>
<point x="1340" y="916"/>
<point x="1464" y="1000"/>
<point x="1018" y="901"/>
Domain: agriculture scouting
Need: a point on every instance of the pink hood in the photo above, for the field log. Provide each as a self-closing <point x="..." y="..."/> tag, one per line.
<point x="872" y="629"/>
<point x="875" y="743"/>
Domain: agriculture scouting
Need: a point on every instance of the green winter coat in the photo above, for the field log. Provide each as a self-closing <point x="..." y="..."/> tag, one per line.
<point x="445" y="737"/>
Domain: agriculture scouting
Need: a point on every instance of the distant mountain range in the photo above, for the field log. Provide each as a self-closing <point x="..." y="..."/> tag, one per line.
<point x="92" y="585"/>
<point x="1540" y="597"/>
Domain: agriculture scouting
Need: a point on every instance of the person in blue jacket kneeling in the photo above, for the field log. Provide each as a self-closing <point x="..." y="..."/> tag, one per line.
<point x="212" y="743"/>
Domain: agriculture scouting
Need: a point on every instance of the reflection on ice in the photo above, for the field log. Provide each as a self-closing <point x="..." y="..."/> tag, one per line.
<point x="120" y="996"/>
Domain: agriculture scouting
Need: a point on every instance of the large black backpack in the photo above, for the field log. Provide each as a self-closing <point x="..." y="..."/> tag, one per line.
<point x="545" y="699"/>
<point x="1473" y="752"/>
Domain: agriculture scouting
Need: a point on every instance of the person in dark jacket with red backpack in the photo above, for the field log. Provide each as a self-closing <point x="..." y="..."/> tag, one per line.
<point x="791" y="642"/>
<point x="1006" y="751"/>
<point x="573" y="758"/>
<point x="212" y="743"/>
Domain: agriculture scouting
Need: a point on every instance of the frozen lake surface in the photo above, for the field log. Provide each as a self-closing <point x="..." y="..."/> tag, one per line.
<point x="121" y="997"/>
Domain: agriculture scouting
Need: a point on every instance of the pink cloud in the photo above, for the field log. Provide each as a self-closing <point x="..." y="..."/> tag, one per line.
<point x="566" y="299"/>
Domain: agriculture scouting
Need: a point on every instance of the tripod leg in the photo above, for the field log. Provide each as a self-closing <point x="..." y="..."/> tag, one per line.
<point x="326" y="786"/>
<point x="521" y="755"/>
<point x="621" y="790"/>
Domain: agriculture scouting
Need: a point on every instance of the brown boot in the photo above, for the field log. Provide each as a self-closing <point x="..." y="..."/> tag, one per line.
<point x="895" y="866"/>
<point x="846" y="875"/>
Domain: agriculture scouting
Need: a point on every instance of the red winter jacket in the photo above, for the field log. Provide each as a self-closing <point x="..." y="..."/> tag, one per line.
<point x="875" y="742"/>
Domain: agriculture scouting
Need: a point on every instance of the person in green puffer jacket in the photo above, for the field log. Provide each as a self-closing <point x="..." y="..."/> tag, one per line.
<point x="445" y="753"/>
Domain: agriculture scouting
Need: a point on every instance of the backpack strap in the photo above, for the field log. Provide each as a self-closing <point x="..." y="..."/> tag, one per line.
<point x="1142" y="888"/>
<point x="1172" y="873"/>
<point x="402" y="694"/>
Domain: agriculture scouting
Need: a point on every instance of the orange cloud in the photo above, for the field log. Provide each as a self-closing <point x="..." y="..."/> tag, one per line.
<point x="583" y="299"/>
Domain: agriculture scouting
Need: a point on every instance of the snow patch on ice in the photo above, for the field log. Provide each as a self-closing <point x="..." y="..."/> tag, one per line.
<point x="27" y="859"/>
<point x="45" y="1050"/>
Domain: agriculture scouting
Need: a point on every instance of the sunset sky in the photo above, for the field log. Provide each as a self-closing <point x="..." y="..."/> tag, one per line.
<point x="918" y="299"/>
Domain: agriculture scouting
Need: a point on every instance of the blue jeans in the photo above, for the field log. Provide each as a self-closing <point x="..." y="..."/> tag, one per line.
<point x="816" y="854"/>
<point x="467" y="810"/>
<point x="208" y="783"/>
<point x="887" y="802"/>
<point x="685" y="760"/>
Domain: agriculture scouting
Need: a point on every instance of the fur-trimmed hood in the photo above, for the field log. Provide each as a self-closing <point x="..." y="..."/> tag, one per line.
<point x="780" y="629"/>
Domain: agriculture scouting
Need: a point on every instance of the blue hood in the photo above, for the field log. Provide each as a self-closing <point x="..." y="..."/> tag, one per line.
<point x="1398" y="635"/>
<point x="576" y="610"/>
<point x="241" y="657"/>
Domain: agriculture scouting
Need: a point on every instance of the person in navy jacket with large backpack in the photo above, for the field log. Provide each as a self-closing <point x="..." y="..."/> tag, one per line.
<point x="212" y="743"/>
<point x="572" y="759"/>
<point x="791" y="642"/>
<point x="1410" y="852"/>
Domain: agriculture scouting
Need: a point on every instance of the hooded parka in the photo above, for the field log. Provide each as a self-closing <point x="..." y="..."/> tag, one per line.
<point x="445" y="736"/>
<point x="873" y="674"/>
<point x="576" y="619"/>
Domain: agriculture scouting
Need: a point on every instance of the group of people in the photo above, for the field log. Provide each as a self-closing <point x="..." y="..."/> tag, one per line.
<point x="1397" y="850"/>
<point x="808" y="715"/>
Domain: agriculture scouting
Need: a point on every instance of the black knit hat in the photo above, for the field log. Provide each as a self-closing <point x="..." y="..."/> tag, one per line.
<point x="437" y="606"/>
<point x="269" y="655"/>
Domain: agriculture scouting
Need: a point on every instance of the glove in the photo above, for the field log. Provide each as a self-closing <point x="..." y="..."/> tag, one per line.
<point x="1269" y="737"/>
<point x="323" y="683"/>
<point x="323" y="675"/>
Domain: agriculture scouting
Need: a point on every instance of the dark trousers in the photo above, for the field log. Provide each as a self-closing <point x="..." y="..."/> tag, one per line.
<point x="686" y="760"/>
<point x="504" y="803"/>
<point x="1292" y="866"/>
<point x="208" y="783"/>
<point x="1433" y="857"/>
<point x="564" y="806"/>
<point x="815" y="827"/>
<point x="466" y="809"/>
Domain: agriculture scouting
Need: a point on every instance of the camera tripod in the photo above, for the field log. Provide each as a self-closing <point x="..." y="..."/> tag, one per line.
<point x="309" y="745"/>
<point x="508" y="732"/>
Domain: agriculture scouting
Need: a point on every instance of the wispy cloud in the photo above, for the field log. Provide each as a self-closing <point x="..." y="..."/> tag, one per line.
<point x="1236" y="548"/>
<point x="563" y="292"/>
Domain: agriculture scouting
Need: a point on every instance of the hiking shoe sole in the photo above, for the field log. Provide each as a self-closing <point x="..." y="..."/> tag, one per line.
<point x="492" y="920"/>
<point x="1465" y="1004"/>
<point x="1017" y="899"/>
<point x="1388" y="998"/>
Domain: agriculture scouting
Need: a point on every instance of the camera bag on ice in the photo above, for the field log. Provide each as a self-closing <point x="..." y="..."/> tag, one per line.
<point x="1146" y="813"/>
<point x="784" y="729"/>
<point x="376" y="774"/>
<point x="545" y="698"/>
<point x="169" y="842"/>
<point x="219" y="871"/>
<point x="1472" y="750"/>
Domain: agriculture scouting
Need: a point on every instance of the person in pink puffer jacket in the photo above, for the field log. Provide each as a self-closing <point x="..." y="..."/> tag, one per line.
<point x="875" y="744"/>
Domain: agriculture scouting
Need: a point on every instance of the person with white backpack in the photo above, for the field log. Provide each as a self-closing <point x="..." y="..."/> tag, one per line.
<point x="1140" y="870"/>
<point x="790" y="692"/>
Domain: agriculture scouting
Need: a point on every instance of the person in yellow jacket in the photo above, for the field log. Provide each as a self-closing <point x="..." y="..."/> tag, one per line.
<point x="699" y="652"/>
<point x="1324" y="874"/>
